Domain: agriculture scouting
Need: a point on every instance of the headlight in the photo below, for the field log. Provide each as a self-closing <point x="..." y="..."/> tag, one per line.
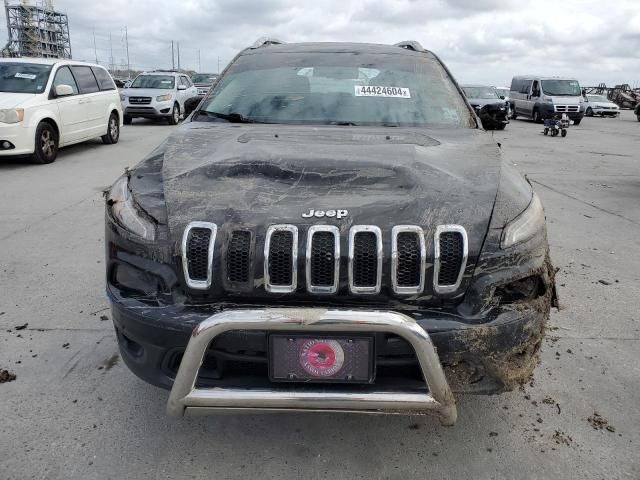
<point x="11" y="115"/>
<point x="164" y="98"/>
<point x="525" y="225"/>
<point x="125" y="212"/>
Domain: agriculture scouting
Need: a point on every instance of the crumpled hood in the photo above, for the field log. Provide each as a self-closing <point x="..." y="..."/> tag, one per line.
<point x="481" y="102"/>
<point x="259" y="175"/>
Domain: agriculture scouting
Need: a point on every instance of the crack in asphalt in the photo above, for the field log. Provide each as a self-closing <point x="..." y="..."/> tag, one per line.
<point x="604" y="210"/>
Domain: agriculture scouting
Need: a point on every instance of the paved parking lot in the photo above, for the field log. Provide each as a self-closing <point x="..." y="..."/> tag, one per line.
<point x="75" y="411"/>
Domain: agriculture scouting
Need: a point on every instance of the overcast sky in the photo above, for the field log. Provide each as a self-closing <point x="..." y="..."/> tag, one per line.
<point x="482" y="41"/>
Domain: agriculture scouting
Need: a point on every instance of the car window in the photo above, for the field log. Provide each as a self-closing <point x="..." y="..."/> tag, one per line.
<point x="166" y="82"/>
<point x="20" y="77"/>
<point x="64" y="77"/>
<point x="525" y="87"/>
<point x="185" y="81"/>
<point x="86" y="80"/>
<point x="340" y="88"/>
<point x="105" y="82"/>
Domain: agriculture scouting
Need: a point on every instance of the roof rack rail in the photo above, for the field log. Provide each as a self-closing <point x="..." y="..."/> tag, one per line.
<point x="265" y="41"/>
<point x="411" y="45"/>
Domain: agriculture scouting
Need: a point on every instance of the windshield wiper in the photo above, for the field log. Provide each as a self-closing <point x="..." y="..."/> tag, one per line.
<point x="232" y="117"/>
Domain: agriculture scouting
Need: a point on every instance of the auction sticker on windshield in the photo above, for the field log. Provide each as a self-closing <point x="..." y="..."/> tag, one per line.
<point x="377" y="91"/>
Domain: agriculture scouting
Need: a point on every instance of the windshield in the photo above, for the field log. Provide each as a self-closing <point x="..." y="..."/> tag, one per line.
<point x="153" y="81"/>
<point x="597" y="98"/>
<point x="24" y="77"/>
<point x="569" y="88"/>
<point x="503" y="91"/>
<point x="203" y="78"/>
<point x="480" y="92"/>
<point x="337" y="89"/>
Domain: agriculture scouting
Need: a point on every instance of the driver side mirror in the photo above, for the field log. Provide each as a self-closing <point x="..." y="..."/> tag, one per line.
<point x="63" y="90"/>
<point x="182" y="87"/>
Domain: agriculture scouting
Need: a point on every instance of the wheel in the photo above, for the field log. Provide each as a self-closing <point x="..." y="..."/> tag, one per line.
<point x="514" y="115"/>
<point x="113" y="130"/>
<point x="127" y="120"/>
<point x="546" y="131"/>
<point x="563" y="132"/>
<point x="638" y="117"/>
<point x="46" y="146"/>
<point x="554" y="132"/>
<point x="577" y="121"/>
<point x="589" y="112"/>
<point x="174" y="119"/>
<point x="536" y="117"/>
<point x="500" y="127"/>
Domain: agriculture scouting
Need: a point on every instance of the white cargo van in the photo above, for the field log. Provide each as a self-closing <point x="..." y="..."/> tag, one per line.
<point x="542" y="97"/>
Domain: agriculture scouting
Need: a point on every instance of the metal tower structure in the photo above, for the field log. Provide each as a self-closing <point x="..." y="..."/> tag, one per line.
<point x="36" y="30"/>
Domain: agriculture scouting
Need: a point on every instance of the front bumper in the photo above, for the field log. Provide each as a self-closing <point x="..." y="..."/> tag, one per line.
<point x="157" y="110"/>
<point x="185" y="398"/>
<point x="22" y="137"/>
<point x="606" y="111"/>
<point x="548" y="110"/>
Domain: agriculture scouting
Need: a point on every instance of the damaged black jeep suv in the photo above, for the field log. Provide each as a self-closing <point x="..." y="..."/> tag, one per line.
<point x="330" y="230"/>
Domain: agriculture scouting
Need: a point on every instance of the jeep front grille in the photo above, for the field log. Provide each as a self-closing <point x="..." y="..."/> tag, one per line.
<point x="323" y="259"/>
<point x="450" y="258"/>
<point x="365" y="259"/>
<point x="407" y="269"/>
<point x="198" y="243"/>
<point x="408" y="258"/>
<point x="239" y="257"/>
<point x="281" y="259"/>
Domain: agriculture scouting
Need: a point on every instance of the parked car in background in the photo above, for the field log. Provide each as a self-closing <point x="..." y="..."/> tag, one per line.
<point x="488" y="104"/>
<point x="203" y="82"/>
<point x="600" y="105"/>
<point x="340" y="236"/>
<point x="159" y="94"/>
<point x="540" y="98"/>
<point x="504" y="94"/>
<point x="46" y="104"/>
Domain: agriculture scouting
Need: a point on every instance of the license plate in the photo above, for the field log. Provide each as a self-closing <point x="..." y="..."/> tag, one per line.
<point x="326" y="359"/>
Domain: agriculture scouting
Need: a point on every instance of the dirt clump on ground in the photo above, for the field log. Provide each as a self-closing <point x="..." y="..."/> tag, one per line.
<point x="562" y="438"/>
<point x="6" y="376"/>
<point x="598" y="422"/>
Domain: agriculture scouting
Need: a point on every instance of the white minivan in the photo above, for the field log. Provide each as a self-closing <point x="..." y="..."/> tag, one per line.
<point x="48" y="103"/>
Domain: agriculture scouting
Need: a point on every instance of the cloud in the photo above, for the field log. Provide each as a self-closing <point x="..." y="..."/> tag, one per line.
<point x="482" y="41"/>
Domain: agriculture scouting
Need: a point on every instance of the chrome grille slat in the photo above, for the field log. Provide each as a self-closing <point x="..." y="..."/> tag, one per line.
<point x="363" y="258"/>
<point x="318" y="258"/>
<point x="408" y="272"/>
<point x="283" y="263"/>
<point x="440" y="257"/>
<point x="189" y="258"/>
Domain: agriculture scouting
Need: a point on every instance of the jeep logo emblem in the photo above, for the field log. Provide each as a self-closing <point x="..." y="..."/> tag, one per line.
<point x="328" y="213"/>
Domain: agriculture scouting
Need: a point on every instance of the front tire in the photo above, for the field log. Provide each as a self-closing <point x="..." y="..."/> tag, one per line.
<point x="174" y="119"/>
<point x="638" y="117"/>
<point x="46" y="146"/>
<point x="577" y="121"/>
<point x="589" y="112"/>
<point x="113" y="130"/>
<point x="536" y="117"/>
<point x="127" y="120"/>
<point x="563" y="133"/>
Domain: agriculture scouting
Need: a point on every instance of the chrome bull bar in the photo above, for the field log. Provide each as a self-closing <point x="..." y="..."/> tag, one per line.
<point x="186" y="399"/>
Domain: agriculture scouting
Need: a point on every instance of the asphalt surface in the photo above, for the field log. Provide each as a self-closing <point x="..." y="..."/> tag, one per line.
<point x="75" y="411"/>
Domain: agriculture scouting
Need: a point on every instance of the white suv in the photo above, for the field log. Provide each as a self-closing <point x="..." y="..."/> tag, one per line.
<point x="50" y="103"/>
<point x="157" y="95"/>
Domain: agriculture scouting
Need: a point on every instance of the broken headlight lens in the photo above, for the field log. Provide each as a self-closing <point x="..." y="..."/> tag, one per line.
<point x="125" y="212"/>
<point x="525" y="225"/>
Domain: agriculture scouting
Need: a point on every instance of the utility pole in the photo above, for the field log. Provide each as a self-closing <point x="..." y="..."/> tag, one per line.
<point x="111" y="59"/>
<point x="178" y="55"/>
<point x="173" y="57"/>
<point x="126" y="40"/>
<point x="95" y="50"/>
<point x="199" y="66"/>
